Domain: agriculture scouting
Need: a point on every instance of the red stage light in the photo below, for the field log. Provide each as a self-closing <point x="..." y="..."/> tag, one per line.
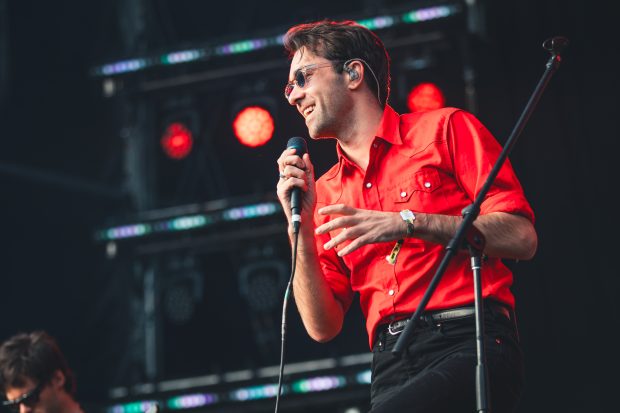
<point x="253" y="126"/>
<point x="425" y="96"/>
<point x="177" y="141"/>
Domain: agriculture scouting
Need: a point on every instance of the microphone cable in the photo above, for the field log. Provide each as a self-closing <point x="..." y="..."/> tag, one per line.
<point x="301" y="148"/>
<point x="287" y="295"/>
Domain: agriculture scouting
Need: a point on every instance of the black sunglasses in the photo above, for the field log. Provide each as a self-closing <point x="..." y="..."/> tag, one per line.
<point x="27" y="399"/>
<point x="300" y="77"/>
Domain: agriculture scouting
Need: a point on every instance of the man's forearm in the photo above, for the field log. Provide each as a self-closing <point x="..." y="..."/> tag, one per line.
<point x="321" y="312"/>
<point x="507" y="235"/>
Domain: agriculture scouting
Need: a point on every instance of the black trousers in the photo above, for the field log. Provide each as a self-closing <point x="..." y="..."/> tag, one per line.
<point x="437" y="372"/>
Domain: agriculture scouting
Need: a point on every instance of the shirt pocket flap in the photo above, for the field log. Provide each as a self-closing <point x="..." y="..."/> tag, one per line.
<point x="426" y="180"/>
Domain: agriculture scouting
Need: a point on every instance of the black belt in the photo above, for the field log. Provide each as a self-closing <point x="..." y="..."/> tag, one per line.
<point x="438" y="317"/>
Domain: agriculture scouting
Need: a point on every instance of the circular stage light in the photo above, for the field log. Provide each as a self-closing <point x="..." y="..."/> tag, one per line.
<point x="177" y="141"/>
<point x="253" y="126"/>
<point x="425" y="96"/>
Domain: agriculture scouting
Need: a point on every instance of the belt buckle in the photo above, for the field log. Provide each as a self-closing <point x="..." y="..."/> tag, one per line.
<point x="393" y="332"/>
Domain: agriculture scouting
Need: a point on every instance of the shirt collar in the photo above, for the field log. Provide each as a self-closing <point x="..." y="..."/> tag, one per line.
<point x="388" y="130"/>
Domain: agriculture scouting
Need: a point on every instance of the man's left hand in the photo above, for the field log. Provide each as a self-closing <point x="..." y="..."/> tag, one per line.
<point x="360" y="226"/>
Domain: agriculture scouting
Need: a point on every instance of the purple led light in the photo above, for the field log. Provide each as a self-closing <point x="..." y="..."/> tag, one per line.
<point x="323" y="383"/>
<point x="270" y="391"/>
<point x="242" y="394"/>
<point x="381" y="22"/>
<point x="144" y="406"/>
<point x="259" y="43"/>
<point x="226" y="49"/>
<point x="191" y="401"/>
<point x="432" y="13"/>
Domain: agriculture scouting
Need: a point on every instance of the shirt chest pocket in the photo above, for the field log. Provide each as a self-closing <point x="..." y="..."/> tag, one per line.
<point x="417" y="192"/>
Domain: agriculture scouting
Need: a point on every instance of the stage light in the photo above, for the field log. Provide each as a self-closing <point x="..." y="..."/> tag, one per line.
<point x="425" y="96"/>
<point x="253" y="126"/>
<point x="177" y="141"/>
<point x="260" y="282"/>
<point x="183" y="289"/>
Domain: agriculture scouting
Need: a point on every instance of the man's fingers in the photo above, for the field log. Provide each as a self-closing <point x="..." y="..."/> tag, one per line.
<point x="336" y="223"/>
<point x="288" y="160"/>
<point x="337" y="209"/>
<point x="338" y="239"/>
<point x="309" y="167"/>
<point x="293" y="171"/>
<point x="350" y="248"/>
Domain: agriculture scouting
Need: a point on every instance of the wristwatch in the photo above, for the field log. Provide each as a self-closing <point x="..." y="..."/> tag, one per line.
<point x="408" y="217"/>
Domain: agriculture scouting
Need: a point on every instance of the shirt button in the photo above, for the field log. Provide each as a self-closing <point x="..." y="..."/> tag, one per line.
<point x="375" y="145"/>
<point x="403" y="194"/>
<point x="368" y="184"/>
<point x="391" y="292"/>
<point x="427" y="184"/>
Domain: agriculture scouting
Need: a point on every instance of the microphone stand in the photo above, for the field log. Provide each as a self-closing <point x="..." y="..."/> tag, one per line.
<point x="467" y="235"/>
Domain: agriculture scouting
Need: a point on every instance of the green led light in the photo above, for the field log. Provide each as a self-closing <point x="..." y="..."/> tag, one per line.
<point x="254" y="393"/>
<point x="410" y="17"/>
<point x="300" y="387"/>
<point x="377" y="22"/>
<point x="367" y="23"/>
<point x="364" y="377"/>
<point x="241" y="47"/>
<point x="189" y="222"/>
<point x="133" y="408"/>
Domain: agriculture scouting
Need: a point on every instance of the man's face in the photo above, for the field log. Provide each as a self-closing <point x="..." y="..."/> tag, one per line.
<point x="323" y="100"/>
<point x="45" y="402"/>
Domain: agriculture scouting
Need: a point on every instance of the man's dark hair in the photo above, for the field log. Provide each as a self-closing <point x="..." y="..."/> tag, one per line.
<point x="35" y="356"/>
<point x="340" y="41"/>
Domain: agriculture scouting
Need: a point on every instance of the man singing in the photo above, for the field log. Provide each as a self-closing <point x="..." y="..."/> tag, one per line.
<point x="378" y="221"/>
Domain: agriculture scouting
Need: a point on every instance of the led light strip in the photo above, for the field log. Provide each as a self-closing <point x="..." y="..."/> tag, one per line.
<point x="190" y="401"/>
<point x="187" y="222"/>
<point x="248" y="393"/>
<point x="245" y="46"/>
<point x="133" y="407"/>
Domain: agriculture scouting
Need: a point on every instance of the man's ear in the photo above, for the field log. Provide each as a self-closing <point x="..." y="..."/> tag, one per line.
<point x="58" y="379"/>
<point x="356" y="73"/>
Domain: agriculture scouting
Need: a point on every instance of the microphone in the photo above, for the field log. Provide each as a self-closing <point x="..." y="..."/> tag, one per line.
<point x="299" y="144"/>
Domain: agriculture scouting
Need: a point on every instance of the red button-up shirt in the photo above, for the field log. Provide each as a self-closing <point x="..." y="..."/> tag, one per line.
<point x="433" y="162"/>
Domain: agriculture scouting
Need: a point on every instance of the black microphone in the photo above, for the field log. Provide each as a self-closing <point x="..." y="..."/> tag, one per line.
<point x="300" y="146"/>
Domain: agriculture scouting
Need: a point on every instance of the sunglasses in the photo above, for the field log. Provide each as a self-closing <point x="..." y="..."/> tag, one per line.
<point x="29" y="399"/>
<point x="301" y="77"/>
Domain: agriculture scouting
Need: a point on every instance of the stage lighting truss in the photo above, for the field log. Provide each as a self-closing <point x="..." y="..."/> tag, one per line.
<point x="441" y="10"/>
<point x="188" y="218"/>
<point x="348" y="376"/>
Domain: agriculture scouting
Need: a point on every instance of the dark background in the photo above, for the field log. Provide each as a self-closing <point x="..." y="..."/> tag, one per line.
<point x="62" y="171"/>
